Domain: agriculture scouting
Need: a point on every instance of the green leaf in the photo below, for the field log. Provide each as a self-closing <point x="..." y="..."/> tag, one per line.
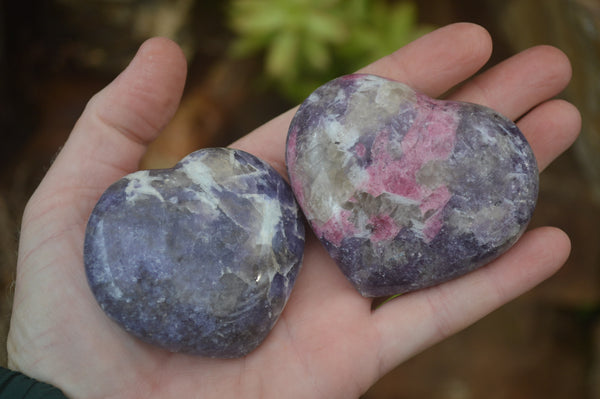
<point x="281" y="56"/>
<point x="257" y="18"/>
<point x="355" y="11"/>
<point x="403" y="18"/>
<point x="307" y="42"/>
<point x="317" y="54"/>
<point x="325" y="27"/>
<point x="247" y="45"/>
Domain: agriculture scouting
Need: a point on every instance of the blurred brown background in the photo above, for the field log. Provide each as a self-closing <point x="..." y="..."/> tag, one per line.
<point x="55" y="55"/>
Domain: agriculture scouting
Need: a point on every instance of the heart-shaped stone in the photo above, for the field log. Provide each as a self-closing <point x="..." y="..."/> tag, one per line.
<point x="405" y="191"/>
<point x="200" y="258"/>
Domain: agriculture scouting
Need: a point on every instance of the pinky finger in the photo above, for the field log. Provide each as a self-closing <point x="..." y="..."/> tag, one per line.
<point x="411" y="323"/>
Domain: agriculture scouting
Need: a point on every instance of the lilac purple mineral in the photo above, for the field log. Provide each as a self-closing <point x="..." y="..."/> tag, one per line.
<point x="200" y="258"/>
<point x="405" y="191"/>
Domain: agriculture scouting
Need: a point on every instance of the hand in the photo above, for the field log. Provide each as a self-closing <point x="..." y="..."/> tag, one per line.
<point x="328" y="343"/>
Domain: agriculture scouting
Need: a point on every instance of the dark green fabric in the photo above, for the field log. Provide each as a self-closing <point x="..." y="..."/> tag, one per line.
<point x="15" y="385"/>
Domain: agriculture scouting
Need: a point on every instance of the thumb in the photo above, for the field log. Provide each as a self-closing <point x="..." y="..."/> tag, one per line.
<point x="112" y="133"/>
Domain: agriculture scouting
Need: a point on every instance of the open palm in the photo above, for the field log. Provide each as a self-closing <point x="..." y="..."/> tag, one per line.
<point x="328" y="343"/>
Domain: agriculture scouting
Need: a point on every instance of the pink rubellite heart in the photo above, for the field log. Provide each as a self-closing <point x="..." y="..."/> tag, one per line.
<point x="405" y="191"/>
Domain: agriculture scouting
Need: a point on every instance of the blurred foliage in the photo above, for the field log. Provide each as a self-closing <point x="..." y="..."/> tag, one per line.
<point x="308" y="42"/>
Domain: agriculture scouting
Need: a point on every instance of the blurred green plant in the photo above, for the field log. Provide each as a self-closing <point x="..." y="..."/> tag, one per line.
<point x="308" y="42"/>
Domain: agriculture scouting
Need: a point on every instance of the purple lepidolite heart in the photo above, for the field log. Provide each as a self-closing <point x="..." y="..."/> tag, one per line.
<point x="200" y="258"/>
<point x="405" y="191"/>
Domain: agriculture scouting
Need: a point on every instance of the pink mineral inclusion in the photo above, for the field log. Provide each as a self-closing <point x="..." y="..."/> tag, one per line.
<point x="336" y="228"/>
<point x="354" y="76"/>
<point x="430" y="138"/>
<point x="360" y="149"/>
<point x="384" y="228"/>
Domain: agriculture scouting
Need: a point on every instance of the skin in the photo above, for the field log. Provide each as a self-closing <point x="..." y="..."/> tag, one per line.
<point x="328" y="343"/>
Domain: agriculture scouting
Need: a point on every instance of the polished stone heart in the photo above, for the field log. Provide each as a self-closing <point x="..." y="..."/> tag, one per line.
<point x="405" y="191"/>
<point x="200" y="258"/>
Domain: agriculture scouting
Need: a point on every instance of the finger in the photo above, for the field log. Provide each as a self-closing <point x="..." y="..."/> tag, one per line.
<point x="432" y="64"/>
<point x="436" y="62"/>
<point x="413" y="322"/>
<point x="111" y="135"/>
<point x="550" y="129"/>
<point x="519" y="83"/>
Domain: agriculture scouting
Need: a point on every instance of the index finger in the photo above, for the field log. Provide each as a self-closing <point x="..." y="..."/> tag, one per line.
<point x="432" y="64"/>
